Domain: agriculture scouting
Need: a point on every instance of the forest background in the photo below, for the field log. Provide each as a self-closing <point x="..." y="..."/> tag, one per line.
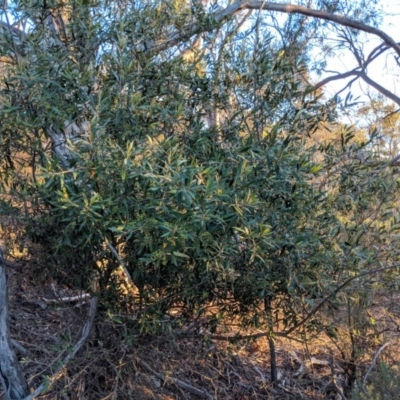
<point x="175" y="170"/>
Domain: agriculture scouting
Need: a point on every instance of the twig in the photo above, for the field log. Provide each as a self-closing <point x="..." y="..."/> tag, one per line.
<point x="334" y="380"/>
<point x="260" y="373"/>
<point x="307" y="364"/>
<point x="85" y="334"/>
<point x="121" y="262"/>
<point x="19" y="347"/>
<point x="68" y="299"/>
<point x="338" y="390"/>
<point x="374" y="360"/>
<point x="184" y="385"/>
<point x="12" y="32"/>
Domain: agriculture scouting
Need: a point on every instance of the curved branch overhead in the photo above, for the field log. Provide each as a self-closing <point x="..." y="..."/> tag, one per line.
<point x="234" y="8"/>
<point x="336" y="77"/>
<point x="359" y="72"/>
<point x="338" y="19"/>
<point x="231" y="10"/>
<point x="379" y="88"/>
<point x="219" y="17"/>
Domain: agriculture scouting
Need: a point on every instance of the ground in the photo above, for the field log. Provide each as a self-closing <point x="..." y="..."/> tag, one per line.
<point x="117" y="362"/>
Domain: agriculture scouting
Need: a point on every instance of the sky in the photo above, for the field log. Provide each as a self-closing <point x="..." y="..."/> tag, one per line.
<point x="383" y="70"/>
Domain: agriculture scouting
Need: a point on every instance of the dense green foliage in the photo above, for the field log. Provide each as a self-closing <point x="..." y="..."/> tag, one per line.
<point x="201" y="214"/>
<point x="223" y="219"/>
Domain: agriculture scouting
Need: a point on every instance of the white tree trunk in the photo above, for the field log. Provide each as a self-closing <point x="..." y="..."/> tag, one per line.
<point x="12" y="379"/>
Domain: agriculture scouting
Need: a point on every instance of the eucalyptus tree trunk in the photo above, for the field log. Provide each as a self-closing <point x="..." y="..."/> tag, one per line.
<point x="12" y="379"/>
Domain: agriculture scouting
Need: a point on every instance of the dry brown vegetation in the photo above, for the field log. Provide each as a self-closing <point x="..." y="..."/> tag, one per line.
<point x="119" y="363"/>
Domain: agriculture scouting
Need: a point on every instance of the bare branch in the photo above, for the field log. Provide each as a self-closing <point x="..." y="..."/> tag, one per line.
<point x="379" y="88"/>
<point x="191" y="389"/>
<point x="85" y="334"/>
<point x="359" y="72"/>
<point x="338" y="19"/>
<point x="68" y="299"/>
<point x="376" y="52"/>
<point x="347" y="86"/>
<point x="243" y="20"/>
<point x="121" y="263"/>
<point x="374" y="361"/>
<point x="337" y="77"/>
<point x="19" y="347"/>
<point x="230" y="11"/>
<point x="358" y="54"/>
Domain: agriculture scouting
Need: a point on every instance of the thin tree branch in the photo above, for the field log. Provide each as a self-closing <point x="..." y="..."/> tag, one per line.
<point x="358" y="73"/>
<point x="347" y="86"/>
<point x="243" y="20"/>
<point x="121" y="262"/>
<point x="85" y="334"/>
<point x="376" y="52"/>
<point x="379" y="88"/>
<point x="12" y="29"/>
<point x="358" y="54"/>
<point x="234" y="8"/>
<point x="338" y="19"/>
<point x="361" y="74"/>
<point x="68" y="299"/>
<point x="19" y="347"/>
<point x="191" y="389"/>
<point x="337" y="77"/>
<point x="374" y="361"/>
